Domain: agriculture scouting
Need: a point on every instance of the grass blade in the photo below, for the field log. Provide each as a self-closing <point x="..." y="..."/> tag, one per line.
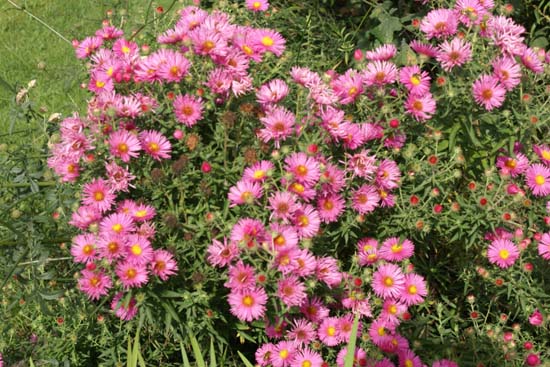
<point x="245" y="360"/>
<point x="212" y="354"/>
<point x="184" y="356"/>
<point x="350" y="355"/>
<point x="197" y="352"/>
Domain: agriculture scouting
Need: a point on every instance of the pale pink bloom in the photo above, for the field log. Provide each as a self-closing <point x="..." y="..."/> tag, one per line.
<point x="348" y="86"/>
<point x="94" y="283"/>
<point x="175" y="67"/>
<point x="367" y="249"/>
<point x="241" y="276"/>
<point x="132" y="275"/>
<point x="531" y="61"/>
<point x="303" y="263"/>
<point x="244" y="192"/>
<point x="248" y="304"/>
<point x="470" y="11"/>
<point x="507" y="71"/>
<point x="124" y="145"/>
<point x="454" y="53"/>
<point x="272" y="92"/>
<point x="439" y="23"/>
<point x="512" y="166"/>
<point x="395" y="249"/>
<point x="291" y="291"/>
<point x="88" y="46"/>
<point x="118" y="177"/>
<point x="424" y="49"/>
<point x="249" y="233"/>
<point x="98" y="194"/>
<point x="306" y="221"/>
<point x="303" y="331"/>
<point x="188" y="109"/>
<point x="330" y="207"/>
<point x="421" y="107"/>
<point x="236" y="63"/>
<point x="268" y="40"/>
<point x="503" y="253"/>
<point x="241" y="85"/>
<point x="332" y="179"/>
<point x="381" y="53"/>
<point x="117" y="223"/>
<point x="283" y="204"/>
<point x="388" y="281"/>
<point x="258" y="172"/>
<point x="284" y="237"/>
<point x="257" y="5"/>
<point x="362" y="165"/>
<point x="222" y="253"/>
<point x="544" y="246"/>
<point x="84" y="248"/>
<point x="304" y="76"/>
<point x="543" y="151"/>
<point x="84" y="216"/>
<point x="506" y="34"/>
<point x="415" y="80"/>
<point x="278" y="125"/>
<point x="414" y="289"/>
<point x="379" y="73"/>
<point x="124" y="307"/>
<point x="365" y="199"/>
<point x="388" y="175"/>
<point x="127" y="106"/>
<point x="307" y="357"/>
<point x="142" y="212"/>
<point x="537" y="177"/>
<point x="219" y="81"/>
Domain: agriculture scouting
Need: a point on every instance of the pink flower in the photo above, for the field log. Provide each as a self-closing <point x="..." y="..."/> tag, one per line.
<point x="506" y="34"/>
<point x="415" y="80"/>
<point x="263" y="354"/>
<point x="283" y="204"/>
<point x="258" y="172"/>
<point x="307" y="357"/>
<point x="272" y="92"/>
<point x="112" y="246"/>
<point x="488" y="92"/>
<point x="291" y="291"/>
<point x="470" y="11"/>
<point x="359" y="358"/>
<point x="530" y="60"/>
<point x="304" y="263"/>
<point x="124" y="145"/>
<point x="388" y="175"/>
<point x="379" y="73"/>
<point x="328" y="271"/>
<point x="348" y="86"/>
<point x="124" y="307"/>
<point x="537" y="177"/>
<point x="503" y="253"/>
<point x="222" y="253"/>
<point x="257" y="5"/>
<point x="395" y="249"/>
<point x="174" y="67"/>
<point x="507" y="71"/>
<point x="249" y="232"/>
<point x="544" y="246"/>
<point x="536" y="318"/>
<point x="424" y="49"/>
<point x="543" y="151"/>
<point x="314" y="310"/>
<point x="306" y="221"/>
<point x="139" y="249"/>
<point x="388" y="281"/>
<point x="414" y="289"/>
<point x="284" y="237"/>
<point x="367" y="249"/>
<point x="444" y="363"/>
<point x="84" y="248"/>
<point x="454" y="53"/>
<point x="268" y="40"/>
<point x="512" y="166"/>
<point x="241" y="277"/>
<point x="328" y="332"/>
<point x="88" y="46"/>
<point x="188" y="109"/>
<point x="248" y="304"/>
<point x="330" y="206"/>
<point x="278" y="125"/>
<point x="244" y="192"/>
<point x="303" y="168"/>
<point x="118" y="177"/>
<point x="303" y="332"/>
<point x="365" y="199"/>
<point x="439" y="23"/>
<point x="381" y="53"/>
<point x="94" y="284"/>
<point x="132" y="275"/>
<point x="98" y="195"/>
<point x="163" y="264"/>
<point x="155" y="144"/>
<point x="420" y="107"/>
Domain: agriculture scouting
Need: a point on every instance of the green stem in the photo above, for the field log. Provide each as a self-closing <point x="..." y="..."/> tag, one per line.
<point x="24" y="184"/>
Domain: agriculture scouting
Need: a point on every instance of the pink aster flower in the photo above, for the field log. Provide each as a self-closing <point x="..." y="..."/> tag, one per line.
<point x="420" y="107"/>
<point x="359" y="357"/>
<point x="284" y="353"/>
<point x="380" y="332"/>
<point x="84" y="248"/>
<point x="454" y="53"/>
<point x="188" y="109"/>
<point x="163" y="264"/>
<point x="488" y="92"/>
<point x="365" y="199"/>
<point x="302" y="331"/>
<point x="330" y="206"/>
<point x="117" y="223"/>
<point x="380" y="73"/>
<point x="268" y="40"/>
<point x="244" y="192"/>
<point x="272" y="92"/>
<point x="543" y="151"/>
<point x="174" y="68"/>
<point x="395" y="249"/>
<point x="424" y="49"/>
<point x="415" y="80"/>
<point x="208" y="42"/>
<point x="544" y="246"/>
<point x="125" y="49"/>
<point x="94" y="283"/>
<point x="88" y="46"/>
<point x="537" y="177"/>
<point x="84" y="216"/>
<point x="124" y="145"/>
<point x="328" y="332"/>
<point x="303" y="263"/>
<point x="249" y="233"/>
<point x="291" y="291"/>
<point x="408" y="358"/>
<point x="248" y="304"/>
<point x="257" y="5"/>
<point x="388" y="175"/>
<point x="132" y="275"/>
<point x="303" y="168"/>
<point x="381" y="53"/>
<point x="263" y="354"/>
<point x="241" y="276"/>
<point x="507" y="71"/>
<point x="367" y="249"/>
<point x="258" y="172"/>
<point x="388" y="281"/>
<point x="139" y="250"/>
<point x="536" y="318"/>
<point x="439" y="23"/>
<point x="470" y="11"/>
<point x="531" y="61"/>
<point x="503" y="253"/>
<point x="222" y="253"/>
<point x="392" y="311"/>
<point x="124" y="307"/>
<point x="155" y="144"/>
<point x="112" y="246"/>
<point x="142" y="212"/>
<point x="284" y="237"/>
<point x="444" y="363"/>
<point x="98" y="194"/>
<point x="348" y="86"/>
<point x="362" y="164"/>
<point x="278" y="125"/>
<point x="307" y="357"/>
<point x="118" y="177"/>
<point x="414" y="289"/>
<point x="283" y="204"/>
<point x="314" y="310"/>
<point x="512" y="166"/>
<point x="328" y="271"/>
<point x="506" y="34"/>
<point x="306" y="221"/>
<point x="332" y="179"/>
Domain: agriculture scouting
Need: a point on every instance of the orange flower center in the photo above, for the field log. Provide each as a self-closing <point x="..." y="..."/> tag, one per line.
<point x="136" y="249"/>
<point x="487" y="94"/>
<point x="331" y="330"/>
<point x="122" y="148"/>
<point x="248" y="301"/>
<point x="88" y="250"/>
<point x="539" y="180"/>
<point x="267" y="41"/>
<point x="99" y="195"/>
<point x="388" y="281"/>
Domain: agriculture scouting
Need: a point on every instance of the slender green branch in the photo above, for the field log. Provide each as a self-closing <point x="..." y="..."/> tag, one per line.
<point x="46" y="260"/>
<point x="39" y="21"/>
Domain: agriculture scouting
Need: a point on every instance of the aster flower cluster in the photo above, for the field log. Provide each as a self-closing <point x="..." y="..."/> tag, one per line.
<point x="125" y="130"/>
<point x="454" y="31"/>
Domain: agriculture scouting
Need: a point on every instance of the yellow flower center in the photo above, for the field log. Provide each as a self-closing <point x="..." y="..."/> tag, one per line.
<point x="301" y="170"/>
<point x="174" y="70"/>
<point x="154" y="147"/>
<point x="284" y="354"/>
<point x="297" y="188"/>
<point x="417" y="105"/>
<point x="303" y="221"/>
<point x="248" y="301"/>
<point x="408" y="363"/>
<point x="99" y="84"/>
<point x="256" y="5"/>
<point x="306" y="363"/>
<point x="208" y="45"/>
<point x="88" y="249"/>
<point x="122" y="147"/>
<point x="117" y="228"/>
<point x="131" y="273"/>
<point x="136" y="249"/>
<point x="352" y="91"/>
<point x="279" y="240"/>
<point x="328" y="205"/>
<point x="259" y="174"/>
<point x="247" y="50"/>
<point x="392" y="309"/>
<point x="187" y="110"/>
<point x="112" y="246"/>
<point x="125" y="49"/>
<point x="246" y="196"/>
<point x="398" y="247"/>
<point x="415" y="79"/>
<point x="99" y="195"/>
<point x="539" y="180"/>
<point x="545" y="154"/>
<point x="511" y="163"/>
<point x="94" y="281"/>
<point x="331" y="330"/>
<point x="388" y="281"/>
<point x="504" y="254"/>
<point x="141" y="213"/>
<point x="267" y="41"/>
<point x="381" y="331"/>
<point x="413" y="289"/>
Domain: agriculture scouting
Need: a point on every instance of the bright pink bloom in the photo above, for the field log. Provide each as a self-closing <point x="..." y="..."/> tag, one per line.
<point x="388" y="281"/>
<point x="272" y="92"/>
<point x="88" y="46"/>
<point x="348" y="86"/>
<point x="415" y="80"/>
<point x="124" y="145"/>
<point x="307" y="357"/>
<point x="284" y="237"/>
<point x="367" y="249"/>
<point x="454" y="53"/>
<point x="257" y="5"/>
<point x="537" y="177"/>
<point x="94" y="283"/>
<point x="163" y="264"/>
<point x="359" y="358"/>
<point x="543" y="151"/>
<point x="174" y="68"/>
<point x="512" y="166"/>
<point x="139" y="250"/>
<point x="278" y="125"/>
<point x="507" y="71"/>
<point x="388" y="175"/>
<point x="330" y="206"/>
<point x="112" y="246"/>
<point x="470" y="11"/>
<point x="291" y="291"/>
<point x="249" y="233"/>
<point x="188" y="109"/>
<point x="381" y="53"/>
<point x="314" y="310"/>
<point x="420" y="107"/>
<point x="132" y="275"/>
<point x="220" y="254"/>
<point x="408" y="358"/>
<point x="328" y="332"/>
<point x="283" y="204"/>
<point x="124" y="307"/>
<point x="306" y="221"/>
<point x="303" y="168"/>
<point x="395" y="249"/>
<point x="414" y="289"/>
<point x="424" y="49"/>
<point x="268" y="40"/>
<point x="439" y="23"/>
<point x="304" y="263"/>
<point x="155" y="144"/>
<point x="536" y="318"/>
<point x="531" y="61"/>
<point x="241" y="276"/>
<point x="118" y="177"/>
<point x="328" y="271"/>
<point x="365" y="199"/>
<point x="506" y="34"/>
<point x="380" y="73"/>
<point x="258" y="172"/>
<point x="303" y="332"/>
<point x="248" y="304"/>
<point x="503" y="253"/>
<point x="544" y="246"/>
<point x="98" y="194"/>
<point x="244" y="192"/>
<point x="84" y="248"/>
<point x="263" y="354"/>
<point x="488" y="92"/>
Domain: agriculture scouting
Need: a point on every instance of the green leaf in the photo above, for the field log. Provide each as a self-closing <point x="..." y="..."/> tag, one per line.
<point x="387" y="27"/>
<point x="245" y="360"/>
<point x="197" y="351"/>
<point x="348" y="362"/>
